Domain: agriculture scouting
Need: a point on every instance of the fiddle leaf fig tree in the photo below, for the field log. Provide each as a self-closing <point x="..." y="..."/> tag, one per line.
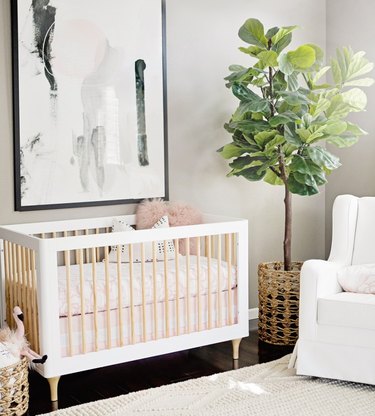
<point x="287" y="113"/>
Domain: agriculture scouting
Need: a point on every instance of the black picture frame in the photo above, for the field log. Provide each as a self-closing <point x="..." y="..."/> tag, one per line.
<point x="18" y="176"/>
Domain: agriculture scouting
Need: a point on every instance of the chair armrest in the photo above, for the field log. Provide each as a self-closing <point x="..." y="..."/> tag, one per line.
<point x="318" y="279"/>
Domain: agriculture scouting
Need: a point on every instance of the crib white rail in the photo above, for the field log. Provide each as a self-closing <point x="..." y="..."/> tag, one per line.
<point x="210" y="306"/>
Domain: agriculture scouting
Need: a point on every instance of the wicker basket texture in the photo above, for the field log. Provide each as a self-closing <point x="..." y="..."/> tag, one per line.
<point x="14" y="389"/>
<point x="278" y="303"/>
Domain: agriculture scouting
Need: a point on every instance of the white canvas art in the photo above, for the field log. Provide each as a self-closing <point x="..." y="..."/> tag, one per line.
<point x="88" y="90"/>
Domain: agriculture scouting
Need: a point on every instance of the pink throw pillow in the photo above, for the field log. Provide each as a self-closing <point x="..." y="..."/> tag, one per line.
<point x="149" y="212"/>
<point x="179" y="213"/>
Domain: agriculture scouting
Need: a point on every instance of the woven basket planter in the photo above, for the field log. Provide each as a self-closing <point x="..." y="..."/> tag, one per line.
<point x="278" y="303"/>
<point x="14" y="389"/>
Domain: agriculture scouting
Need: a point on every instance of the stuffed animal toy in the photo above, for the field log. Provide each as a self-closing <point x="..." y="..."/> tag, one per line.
<point x="14" y="345"/>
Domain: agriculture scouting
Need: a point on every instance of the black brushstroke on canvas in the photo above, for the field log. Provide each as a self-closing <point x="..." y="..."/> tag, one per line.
<point x="31" y="147"/>
<point x="140" y="67"/>
<point x="82" y="151"/>
<point x="98" y="141"/>
<point x="44" y="23"/>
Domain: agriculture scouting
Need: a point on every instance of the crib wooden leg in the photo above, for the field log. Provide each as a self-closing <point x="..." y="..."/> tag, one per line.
<point x="236" y="348"/>
<point x="53" y="385"/>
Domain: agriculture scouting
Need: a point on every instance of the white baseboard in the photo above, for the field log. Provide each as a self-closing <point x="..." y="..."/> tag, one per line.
<point x="253" y="318"/>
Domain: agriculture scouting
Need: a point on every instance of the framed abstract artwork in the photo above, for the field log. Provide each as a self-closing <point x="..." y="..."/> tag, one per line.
<point x="89" y="102"/>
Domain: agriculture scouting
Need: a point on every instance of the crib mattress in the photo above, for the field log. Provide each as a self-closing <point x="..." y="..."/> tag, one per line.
<point x="182" y="319"/>
<point x="219" y="276"/>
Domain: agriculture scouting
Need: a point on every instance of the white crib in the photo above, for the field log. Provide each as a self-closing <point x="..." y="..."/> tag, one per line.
<point x="85" y="312"/>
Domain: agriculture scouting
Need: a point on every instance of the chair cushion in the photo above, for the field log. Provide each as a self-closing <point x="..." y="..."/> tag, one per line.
<point x="347" y="309"/>
<point x="358" y="278"/>
<point x="363" y="251"/>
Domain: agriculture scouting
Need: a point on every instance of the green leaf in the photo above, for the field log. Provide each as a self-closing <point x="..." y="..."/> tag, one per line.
<point x="358" y="66"/>
<point x="249" y="126"/>
<point x="320" y="74"/>
<point x="282" y="44"/>
<point x="245" y="107"/>
<point x="298" y="188"/>
<point x="321" y="106"/>
<point x="264" y="137"/>
<point x="291" y="137"/>
<point x="268" y="58"/>
<point x="285" y="65"/>
<point x="323" y="158"/>
<point x="312" y="133"/>
<point x="251" y="50"/>
<point x="348" y="66"/>
<point x="252" y="32"/>
<point x="304" y="165"/>
<point x="356" y="99"/>
<point x="343" y="141"/>
<point x="338" y="108"/>
<point x="336" y="72"/>
<point x="283" y="118"/>
<point x="236" y="68"/>
<point x="241" y="163"/>
<point x="363" y="82"/>
<point x="335" y="127"/>
<point x="252" y="174"/>
<point x="272" y="144"/>
<point x="231" y="150"/>
<point x="302" y="58"/>
<point x="319" y="55"/>
<point x="271" y="32"/>
<point x="243" y="93"/>
<point x="294" y="97"/>
<point x="284" y="31"/>
<point x="292" y="81"/>
<point x="272" y="178"/>
<point x="354" y="129"/>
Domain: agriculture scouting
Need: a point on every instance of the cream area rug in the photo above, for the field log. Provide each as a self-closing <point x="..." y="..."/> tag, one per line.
<point x="269" y="389"/>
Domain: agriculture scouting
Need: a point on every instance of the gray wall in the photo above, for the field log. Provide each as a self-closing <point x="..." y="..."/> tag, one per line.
<point x="352" y="24"/>
<point x="202" y="43"/>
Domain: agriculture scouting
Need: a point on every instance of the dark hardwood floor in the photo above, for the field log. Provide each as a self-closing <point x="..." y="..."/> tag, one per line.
<point x="112" y="381"/>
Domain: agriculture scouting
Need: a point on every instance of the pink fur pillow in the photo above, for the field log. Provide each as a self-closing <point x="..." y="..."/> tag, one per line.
<point x="149" y="213"/>
<point x="179" y="213"/>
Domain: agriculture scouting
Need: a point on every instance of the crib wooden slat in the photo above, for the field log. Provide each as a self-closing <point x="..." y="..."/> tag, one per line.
<point x="24" y="280"/>
<point x="82" y="293"/>
<point x="87" y="249"/>
<point x="166" y="290"/>
<point x="219" y="274"/>
<point x="35" y="303"/>
<point x="8" y="283"/>
<point x="144" y="334"/>
<point x="198" y="241"/>
<point x="29" y="296"/>
<point x="155" y="302"/>
<point x="68" y="298"/>
<point x="107" y="297"/>
<point x="209" y="294"/>
<point x="177" y="266"/>
<point x="229" y="271"/>
<point x="132" y="334"/>
<point x="94" y="294"/>
<point x="119" y="297"/>
<point x="234" y="249"/>
<point x="15" y="275"/>
<point x="187" y="318"/>
<point x="97" y="248"/>
<point x="11" y="281"/>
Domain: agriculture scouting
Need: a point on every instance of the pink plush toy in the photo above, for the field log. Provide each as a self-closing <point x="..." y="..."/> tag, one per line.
<point x="20" y="335"/>
<point x="15" y="342"/>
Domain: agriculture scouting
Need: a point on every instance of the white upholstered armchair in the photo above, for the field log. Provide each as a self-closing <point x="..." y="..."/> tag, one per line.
<point x="337" y="328"/>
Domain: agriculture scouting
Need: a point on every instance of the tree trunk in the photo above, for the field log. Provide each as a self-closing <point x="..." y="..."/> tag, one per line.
<point x="288" y="230"/>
